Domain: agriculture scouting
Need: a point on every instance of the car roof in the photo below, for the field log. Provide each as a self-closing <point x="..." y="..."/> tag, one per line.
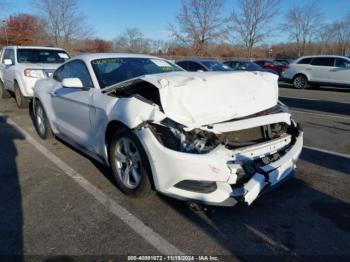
<point x="34" y="47"/>
<point x="316" y="56"/>
<point x="95" y="56"/>
<point x="197" y="60"/>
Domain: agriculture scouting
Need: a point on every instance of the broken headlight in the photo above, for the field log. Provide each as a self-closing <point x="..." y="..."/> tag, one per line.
<point x="171" y="135"/>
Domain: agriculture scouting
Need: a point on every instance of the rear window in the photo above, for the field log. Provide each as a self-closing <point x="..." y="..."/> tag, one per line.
<point x="42" y="56"/>
<point x="323" y="61"/>
<point x="305" y="61"/>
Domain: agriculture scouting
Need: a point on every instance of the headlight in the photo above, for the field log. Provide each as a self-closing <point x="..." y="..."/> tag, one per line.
<point x="35" y="73"/>
<point x="172" y="136"/>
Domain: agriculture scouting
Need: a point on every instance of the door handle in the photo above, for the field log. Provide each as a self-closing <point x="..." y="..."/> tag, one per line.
<point x="308" y="69"/>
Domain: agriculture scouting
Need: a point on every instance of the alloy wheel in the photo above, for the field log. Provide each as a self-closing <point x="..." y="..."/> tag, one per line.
<point x="128" y="163"/>
<point x="40" y="119"/>
<point x="300" y="82"/>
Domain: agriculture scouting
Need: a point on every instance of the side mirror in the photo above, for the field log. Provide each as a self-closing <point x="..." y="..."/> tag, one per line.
<point x="72" y="83"/>
<point x="8" y="62"/>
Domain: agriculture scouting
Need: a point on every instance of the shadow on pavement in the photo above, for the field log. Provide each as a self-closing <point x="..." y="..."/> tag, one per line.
<point x="321" y="88"/>
<point x="338" y="163"/>
<point x="317" y="105"/>
<point x="292" y="221"/>
<point x="11" y="217"/>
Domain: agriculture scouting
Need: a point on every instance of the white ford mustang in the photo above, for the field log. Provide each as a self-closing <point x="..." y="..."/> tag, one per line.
<point x="213" y="137"/>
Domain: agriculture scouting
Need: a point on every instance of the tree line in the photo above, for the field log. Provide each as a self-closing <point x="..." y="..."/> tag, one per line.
<point x="200" y="28"/>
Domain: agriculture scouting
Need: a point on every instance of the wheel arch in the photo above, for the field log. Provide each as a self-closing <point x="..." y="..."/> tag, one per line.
<point x="32" y="109"/>
<point x="302" y="74"/>
<point x="110" y="129"/>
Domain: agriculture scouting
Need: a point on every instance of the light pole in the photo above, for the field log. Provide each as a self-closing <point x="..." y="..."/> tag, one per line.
<point x="4" y="24"/>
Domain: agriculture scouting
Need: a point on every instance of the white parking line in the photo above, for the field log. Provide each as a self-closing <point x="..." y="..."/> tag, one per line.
<point x="328" y="152"/>
<point x="319" y="114"/>
<point x="152" y="237"/>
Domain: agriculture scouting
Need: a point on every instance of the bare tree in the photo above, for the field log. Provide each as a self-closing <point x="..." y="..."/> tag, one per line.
<point x="341" y="32"/>
<point x="199" y="22"/>
<point x="65" y="22"/>
<point x="324" y="36"/>
<point x="302" y="22"/>
<point x="251" y="22"/>
<point x="131" y="41"/>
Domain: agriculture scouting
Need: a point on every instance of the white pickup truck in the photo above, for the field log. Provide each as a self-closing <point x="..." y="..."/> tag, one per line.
<point x="22" y="66"/>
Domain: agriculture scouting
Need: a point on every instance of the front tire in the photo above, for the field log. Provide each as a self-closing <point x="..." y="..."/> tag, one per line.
<point x="300" y="82"/>
<point x="21" y="101"/>
<point x="3" y="92"/>
<point x="41" y="122"/>
<point x="129" y="164"/>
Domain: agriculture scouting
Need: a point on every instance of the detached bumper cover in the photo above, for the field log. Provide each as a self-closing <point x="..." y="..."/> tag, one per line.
<point x="273" y="174"/>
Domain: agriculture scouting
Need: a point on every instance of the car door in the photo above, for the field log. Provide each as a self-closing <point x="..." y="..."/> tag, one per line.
<point x="320" y="70"/>
<point x="72" y="105"/>
<point x="9" y="70"/>
<point x="340" y="74"/>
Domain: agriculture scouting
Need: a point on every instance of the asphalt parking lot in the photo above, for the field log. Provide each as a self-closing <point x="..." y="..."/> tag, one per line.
<point x="47" y="210"/>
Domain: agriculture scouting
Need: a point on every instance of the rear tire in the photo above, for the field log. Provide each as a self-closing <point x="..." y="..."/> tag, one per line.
<point x="41" y="122"/>
<point x="3" y="92"/>
<point x="300" y="82"/>
<point x="129" y="163"/>
<point x="21" y="101"/>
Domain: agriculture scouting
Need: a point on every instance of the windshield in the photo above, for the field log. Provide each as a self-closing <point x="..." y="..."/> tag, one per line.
<point x="110" y="71"/>
<point x="216" y="66"/>
<point x="45" y="56"/>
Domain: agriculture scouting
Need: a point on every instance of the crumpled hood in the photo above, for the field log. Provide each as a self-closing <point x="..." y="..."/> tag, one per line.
<point x="203" y="98"/>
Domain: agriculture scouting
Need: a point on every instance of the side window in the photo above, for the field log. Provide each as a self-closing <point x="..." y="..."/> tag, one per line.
<point x="12" y="55"/>
<point x="340" y="62"/>
<point x="323" y="61"/>
<point x="79" y="70"/>
<point x="305" y="61"/>
<point x="58" y="74"/>
<point x="8" y="54"/>
<point x="193" y="66"/>
<point x="74" y="69"/>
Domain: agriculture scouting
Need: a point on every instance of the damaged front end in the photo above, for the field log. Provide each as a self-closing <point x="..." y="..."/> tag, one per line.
<point x="240" y="158"/>
<point x="204" y="142"/>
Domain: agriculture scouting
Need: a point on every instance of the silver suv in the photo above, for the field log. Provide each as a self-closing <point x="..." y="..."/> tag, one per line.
<point x="22" y="66"/>
<point x="318" y="70"/>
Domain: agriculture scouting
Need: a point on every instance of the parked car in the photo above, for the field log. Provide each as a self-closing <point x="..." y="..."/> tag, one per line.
<point x="204" y="65"/>
<point x="318" y="70"/>
<point x="22" y="66"/>
<point x="210" y="137"/>
<point x="246" y="65"/>
<point x="269" y="64"/>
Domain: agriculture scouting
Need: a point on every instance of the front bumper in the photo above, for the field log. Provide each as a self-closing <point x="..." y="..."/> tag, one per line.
<point x="171" y="167"/>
